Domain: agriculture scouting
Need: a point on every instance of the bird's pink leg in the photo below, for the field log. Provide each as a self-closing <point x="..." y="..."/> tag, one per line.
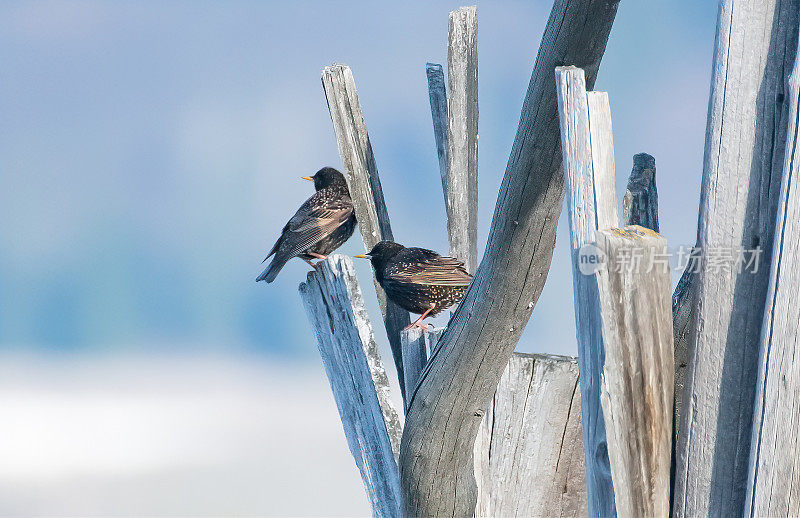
<point x="310" y="263"/>
<point x="417" y="322"/>
<point x="318" y="256"/>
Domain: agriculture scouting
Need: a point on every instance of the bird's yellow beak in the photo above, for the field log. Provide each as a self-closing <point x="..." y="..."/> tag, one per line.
<point x="307" y="178"/>
<point x="361" y="256"/>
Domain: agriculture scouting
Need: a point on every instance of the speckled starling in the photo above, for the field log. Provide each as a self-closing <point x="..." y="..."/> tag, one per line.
<point x="418" y="280"/>
<point x="321" y="225"/>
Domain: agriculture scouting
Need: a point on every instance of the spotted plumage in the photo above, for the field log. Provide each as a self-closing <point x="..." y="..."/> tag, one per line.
<point x="321" y="225"/>
<point x="418" y="280"/>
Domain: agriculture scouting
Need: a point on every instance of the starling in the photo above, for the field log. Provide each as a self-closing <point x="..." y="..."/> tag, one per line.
<point x="321" y="225"/>
<point x="418" y="280"/>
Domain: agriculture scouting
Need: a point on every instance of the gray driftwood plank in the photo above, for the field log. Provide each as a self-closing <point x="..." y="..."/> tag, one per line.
<point x="529" y="451"/>
<point x="773" y="485"/>
<point x="634" y="288"/>
<point x="588" y="203"/>
<point x="640" y="203"/>
<point x="365" y="187"/>
<point x="416" y="344"/>
<point x="603" y="170"/>
<point x="744" y="148"/>
<point x="436" y="454"/>
<point x="335" y="308"/>
<point x="461" y="189"/>
<point x="437" y="93"/>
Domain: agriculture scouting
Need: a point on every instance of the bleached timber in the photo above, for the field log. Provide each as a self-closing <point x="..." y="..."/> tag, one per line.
<point x="637" y="382"/>
<point x="529" y="453"/>
<point x="640" y="207"/>
<point x="744" y="148"/>
<point x="602" y="153"/>
<point x="773" y="483"/>
<point x="436" y="454"/>
<point x="335" y="308"/>
<point x="437" y="94"/>
<point x="591" y="206"/>
<point x="365" y="187"/>
<point x="462" y="136"/>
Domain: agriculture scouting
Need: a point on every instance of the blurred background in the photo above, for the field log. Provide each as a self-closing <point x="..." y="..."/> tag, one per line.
<point x="149" y="155"/>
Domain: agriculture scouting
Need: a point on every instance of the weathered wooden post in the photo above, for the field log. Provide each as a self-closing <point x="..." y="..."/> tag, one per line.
<point x="636" y="315"/>
<point x="773" y="482"/>
<point x="745" y="142"/>
<point x="529" y="450"/>
<point x="640" y="203"/>
<point x="437" y="94"/>
<point x="592" y="205"/>
<point x="436" y="453"/>
<point x="462" y="136"/>
<point x="365" y="188"/>
<point x="528" y="454"/>
<point x="335" y="308"/>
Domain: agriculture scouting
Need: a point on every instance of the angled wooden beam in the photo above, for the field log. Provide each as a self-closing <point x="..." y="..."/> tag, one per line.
<point x="773" y="482"/>
<point x="437" y="94"/>
<point x="436" y="454"/>
<point x="365" y="188"/>
<point x="592" y="205"/>
<point x="335" y="308"/>
<point x="529" y="451"/>
<point x="461" y="189"/>
<point x="744" y="148"/>
<point x="636" y="314"/>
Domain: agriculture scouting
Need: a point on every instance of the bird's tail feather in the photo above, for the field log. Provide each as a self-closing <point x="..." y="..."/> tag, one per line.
<point x="272" y="270"/>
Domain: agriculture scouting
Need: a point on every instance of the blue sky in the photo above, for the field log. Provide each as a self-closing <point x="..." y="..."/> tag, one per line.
<point x="150" y="153"/>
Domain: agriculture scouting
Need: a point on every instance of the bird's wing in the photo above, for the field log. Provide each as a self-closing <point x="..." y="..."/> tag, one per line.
<point x="429" y="269"/>
<point x="277" y="243"/>
<point x="315" y="220"/>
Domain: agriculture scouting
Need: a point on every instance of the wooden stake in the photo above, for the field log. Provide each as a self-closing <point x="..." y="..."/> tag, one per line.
<point x="634" y="291"/>
<point x="335" y="309"/>
<point x="365" y="188"/>
<point x="462" y="137"/>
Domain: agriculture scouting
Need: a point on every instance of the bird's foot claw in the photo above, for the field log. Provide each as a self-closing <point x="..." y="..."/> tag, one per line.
<point x="420" y="325"/>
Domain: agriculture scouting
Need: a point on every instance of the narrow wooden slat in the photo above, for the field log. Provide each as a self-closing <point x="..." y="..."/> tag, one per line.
<point x="773" y="484"/>
<point x="584" y="214"/>
<point x="416" y="345"/>
<point x="529" y="451"/>
<point x="461" y="188"/>
<point x="636" y="314"/>
<point x="335" y="308"/>
<point x="365" y="187"/>
<point x="436" y="454"/>
<point x="437" y="94"/>
<point x="640" y="203"/>
<point x="603" y="169"/>
<point x="744" y="148"/>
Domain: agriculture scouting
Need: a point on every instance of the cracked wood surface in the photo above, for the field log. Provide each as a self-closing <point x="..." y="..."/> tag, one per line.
<point x="773" y="484"/>
<point x="743" y="159"/>
<point x="335" y="308"/>
<point x="461" y="191"/>
<point x="529" y="450"/>
<point x="436" y="453"/>
<point x="591" y="202"/>
<point x="638" y="373"/>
